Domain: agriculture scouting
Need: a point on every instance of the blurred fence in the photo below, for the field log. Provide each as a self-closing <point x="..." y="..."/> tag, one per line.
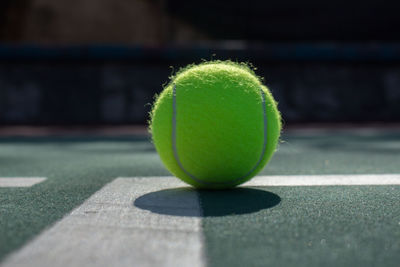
<point x="116" y="84"/>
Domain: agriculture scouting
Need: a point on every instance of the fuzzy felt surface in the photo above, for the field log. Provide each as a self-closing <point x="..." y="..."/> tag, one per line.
<point x="219" y="125"/>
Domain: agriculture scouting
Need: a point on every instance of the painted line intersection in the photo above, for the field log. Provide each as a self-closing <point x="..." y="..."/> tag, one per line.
<point x="109" y="228"/>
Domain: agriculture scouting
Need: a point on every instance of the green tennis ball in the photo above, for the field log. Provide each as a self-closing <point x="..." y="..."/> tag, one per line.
<point x="215" y="125"/>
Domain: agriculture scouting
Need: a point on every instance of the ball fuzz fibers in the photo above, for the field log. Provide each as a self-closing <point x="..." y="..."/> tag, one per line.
<point x="215" y="125"/>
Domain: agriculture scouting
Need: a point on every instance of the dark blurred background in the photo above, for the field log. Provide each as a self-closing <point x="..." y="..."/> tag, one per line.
<point x="91" y="62"/>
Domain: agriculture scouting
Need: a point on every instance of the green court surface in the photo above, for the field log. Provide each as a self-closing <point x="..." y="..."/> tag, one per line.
<point x="255" y="225"/>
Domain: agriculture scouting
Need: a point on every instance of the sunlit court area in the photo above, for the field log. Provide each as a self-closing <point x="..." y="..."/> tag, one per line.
<point x="199" y="133"/>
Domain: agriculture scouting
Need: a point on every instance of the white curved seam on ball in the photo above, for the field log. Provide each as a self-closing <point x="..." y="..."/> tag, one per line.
<point x="175" y="150"/>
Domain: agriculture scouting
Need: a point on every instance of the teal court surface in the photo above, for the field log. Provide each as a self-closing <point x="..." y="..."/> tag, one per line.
<point x="327" y="198"/>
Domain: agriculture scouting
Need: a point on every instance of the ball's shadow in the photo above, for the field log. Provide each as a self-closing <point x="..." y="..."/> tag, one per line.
<point x="204" y="203"/>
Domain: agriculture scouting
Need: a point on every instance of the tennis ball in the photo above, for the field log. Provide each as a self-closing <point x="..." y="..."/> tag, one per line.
<point x="215" y="125"/>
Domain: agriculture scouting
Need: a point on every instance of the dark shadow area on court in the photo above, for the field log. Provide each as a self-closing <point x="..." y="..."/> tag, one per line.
<point x="185" y="202"/>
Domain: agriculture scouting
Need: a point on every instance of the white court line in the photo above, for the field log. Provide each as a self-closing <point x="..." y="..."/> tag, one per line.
<point x="325" y="180"/>
<point x="20" y="181"/>
<point x="108" y="230"/>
